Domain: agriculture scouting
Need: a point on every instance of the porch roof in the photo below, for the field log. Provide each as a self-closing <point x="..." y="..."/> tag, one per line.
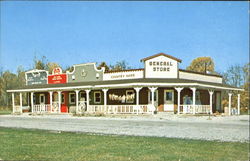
<point x="149" y="82"/>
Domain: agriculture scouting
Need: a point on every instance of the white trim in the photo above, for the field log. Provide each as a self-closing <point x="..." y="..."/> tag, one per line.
<point x="100" y="97"/>
<point x="126" y="85"/>
<point x="85" y="64"/>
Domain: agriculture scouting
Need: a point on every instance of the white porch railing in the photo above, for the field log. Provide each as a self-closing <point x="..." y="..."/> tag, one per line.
<point x="41" y="108"/>
<point x="198" y="109"/>
<point x="121" y="109"/>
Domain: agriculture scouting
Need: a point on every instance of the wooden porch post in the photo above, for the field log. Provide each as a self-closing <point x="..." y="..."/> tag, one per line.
<point x="51" y="100"/>
<point x="13" y="102"/>
<point x="32" y="101"/>
<point x="137" y="89"/>
<point x="87" y="99"/>
<point x="152" y="89"/>
<point x="21" y="102"/>
<point x="194" y="92"/>
<point x="105" y="99"/>
<point x="229" y="103"/>
<point x="179" y="89"/>
<point x="77" y="101"/>
<point x="59" y="101"/>
<point x="211" y="92"/>
<point x="238" y="104"/>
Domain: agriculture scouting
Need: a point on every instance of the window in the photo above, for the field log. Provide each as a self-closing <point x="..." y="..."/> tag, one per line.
<point x="130" y="96"/>
<point x="82" y="96"/>
<point x="72" y="98"/>
<point x="169" y="96"/>
<point x="97" y="97"/>
<point x="150" y="96"/>
<point x="42" y="99"/>
<point x="63" y="98"/>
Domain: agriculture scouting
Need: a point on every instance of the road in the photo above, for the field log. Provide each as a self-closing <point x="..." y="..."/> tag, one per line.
<point x="228" y="130"/>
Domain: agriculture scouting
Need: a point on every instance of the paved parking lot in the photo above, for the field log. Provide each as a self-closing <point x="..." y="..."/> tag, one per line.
<point x="235" y="128"/>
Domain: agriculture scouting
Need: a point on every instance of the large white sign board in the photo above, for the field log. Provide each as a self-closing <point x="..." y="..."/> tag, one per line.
<point x="161" y="67"/>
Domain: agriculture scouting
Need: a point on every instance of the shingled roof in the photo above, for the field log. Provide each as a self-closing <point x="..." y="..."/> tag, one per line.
<point x="161" y="54"/>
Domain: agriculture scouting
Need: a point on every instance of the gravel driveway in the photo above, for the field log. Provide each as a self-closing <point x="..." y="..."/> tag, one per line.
<point x="234" y="128"/>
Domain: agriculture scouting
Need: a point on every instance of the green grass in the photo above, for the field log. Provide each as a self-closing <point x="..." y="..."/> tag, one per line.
<point x="5" y="112"/>
<point x="21" y="144"/>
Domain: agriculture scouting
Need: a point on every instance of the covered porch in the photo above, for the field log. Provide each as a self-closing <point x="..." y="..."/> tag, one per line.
<point x="123" y="99"/>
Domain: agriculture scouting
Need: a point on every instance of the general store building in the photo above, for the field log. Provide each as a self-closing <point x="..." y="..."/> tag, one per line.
<point x="158" y="87"/>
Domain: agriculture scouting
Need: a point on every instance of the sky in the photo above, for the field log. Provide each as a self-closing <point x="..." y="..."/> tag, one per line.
<point x="79" y="32"/>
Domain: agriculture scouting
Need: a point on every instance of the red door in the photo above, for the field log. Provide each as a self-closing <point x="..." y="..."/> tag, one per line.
<point x="64" y="104"/>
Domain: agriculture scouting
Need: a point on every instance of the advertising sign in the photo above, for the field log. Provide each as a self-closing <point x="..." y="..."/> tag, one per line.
<point x="57" y="77"/>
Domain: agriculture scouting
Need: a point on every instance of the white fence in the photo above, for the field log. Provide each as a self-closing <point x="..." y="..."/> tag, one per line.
<point x="42" y="108"/>
<point x="198" y="109"/>
<point x="121" y="109"/>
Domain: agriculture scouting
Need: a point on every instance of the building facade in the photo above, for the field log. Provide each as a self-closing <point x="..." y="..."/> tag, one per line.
<point x="160" y="86"/>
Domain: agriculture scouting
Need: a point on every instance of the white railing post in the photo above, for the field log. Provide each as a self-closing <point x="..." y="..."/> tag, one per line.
<point x="77" y="101"/>
<point x="229" y="103"/>
<point x="179" y="89"/>
<point x="87" y="99"/>
<point x="21" y="103"/>
<point x="137" y="89"/>
<point x="152" y="89"/>
<point x="13" y="102"/>
<point x="238" y="104"/>
<point x="194" y="92"/>
<point x="105" y="99"/>
<point x="211" y="92"/>
<point x="51" y="100"/>
<point x="59" y="101"/>
<point x="32" y="101"/>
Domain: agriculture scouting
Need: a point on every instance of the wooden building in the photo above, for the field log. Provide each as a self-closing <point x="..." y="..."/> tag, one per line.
<point x="159" y="87"/>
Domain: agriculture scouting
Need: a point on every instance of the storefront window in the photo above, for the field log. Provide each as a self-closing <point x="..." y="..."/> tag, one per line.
<point x="97" y="97"/>
<point x="169" y="96"/>
<point x="130" y="96"/>
<point x="63" y="98"/>
<point x="72" y="98"/>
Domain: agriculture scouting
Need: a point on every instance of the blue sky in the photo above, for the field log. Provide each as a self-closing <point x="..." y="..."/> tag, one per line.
<point x="77" y="32"/>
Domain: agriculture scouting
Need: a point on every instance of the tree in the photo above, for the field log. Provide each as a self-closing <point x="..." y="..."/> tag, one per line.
<point x="120" y="65"/>
<point x="69" y="68"/>
<point x="234" y="76"/>
<point x="103" y="64"/>
<point x="8" y="80"/>
<point x="40" y="63"/>
<point x="51" y="65"/>
<point x="238" y="76"/>
<point x="202" y="64"/>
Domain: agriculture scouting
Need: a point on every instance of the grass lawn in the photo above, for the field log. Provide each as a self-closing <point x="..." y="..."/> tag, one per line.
<point x="5" y="112"/>
<point x="21" y="144"/>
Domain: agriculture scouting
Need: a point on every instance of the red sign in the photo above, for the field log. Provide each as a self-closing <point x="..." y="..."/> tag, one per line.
<point x="57" y="79"/>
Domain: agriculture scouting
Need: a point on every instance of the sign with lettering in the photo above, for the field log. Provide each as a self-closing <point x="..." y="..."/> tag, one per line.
<point x="57" y="79"/>
<point x="36" y="77"/>
<point x="161" y="67"/>
<point x="123" y="75"/>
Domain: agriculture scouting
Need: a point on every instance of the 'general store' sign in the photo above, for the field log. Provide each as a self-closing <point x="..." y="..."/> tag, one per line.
<point x="161" y="65"/>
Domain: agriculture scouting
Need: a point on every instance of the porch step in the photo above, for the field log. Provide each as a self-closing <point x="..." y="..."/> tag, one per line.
<point x="164" y="113"/>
